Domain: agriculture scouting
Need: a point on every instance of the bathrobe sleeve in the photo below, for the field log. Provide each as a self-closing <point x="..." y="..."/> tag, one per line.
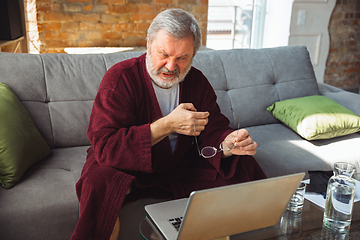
<point x="119" y="128"/>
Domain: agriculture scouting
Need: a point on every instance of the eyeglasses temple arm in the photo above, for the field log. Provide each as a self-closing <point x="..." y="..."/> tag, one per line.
<point x="197" y="145"/>
<point x="237" y="116"/>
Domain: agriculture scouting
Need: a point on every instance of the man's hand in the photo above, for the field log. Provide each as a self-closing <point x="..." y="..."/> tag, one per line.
<point x="181" y="120"/>
<point x="244" y="144"/>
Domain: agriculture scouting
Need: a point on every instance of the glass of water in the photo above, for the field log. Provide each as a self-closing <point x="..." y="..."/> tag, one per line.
<point x="296" y="202"/>
<point x="290" y="223"/>
<point x="340" y="198"/>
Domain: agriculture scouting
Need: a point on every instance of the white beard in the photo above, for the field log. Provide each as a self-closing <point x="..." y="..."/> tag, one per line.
<point x="168" y="82"/>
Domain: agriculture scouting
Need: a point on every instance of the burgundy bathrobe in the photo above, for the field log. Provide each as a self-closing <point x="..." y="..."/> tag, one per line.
<point x="121" y="154"/>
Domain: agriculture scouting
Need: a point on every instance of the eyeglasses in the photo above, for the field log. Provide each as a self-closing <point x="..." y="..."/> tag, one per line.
<point x="208" y="151"/>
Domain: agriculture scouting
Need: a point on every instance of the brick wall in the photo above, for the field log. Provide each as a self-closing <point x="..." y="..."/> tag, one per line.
<point x="53" y="25"/>
<point x="343" y="63"/>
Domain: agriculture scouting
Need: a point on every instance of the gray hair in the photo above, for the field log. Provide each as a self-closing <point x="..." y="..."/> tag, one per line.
<point x="177" y="23"/>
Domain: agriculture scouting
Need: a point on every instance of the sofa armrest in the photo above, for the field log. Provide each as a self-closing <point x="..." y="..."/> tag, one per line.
<point x="347" y="99"/>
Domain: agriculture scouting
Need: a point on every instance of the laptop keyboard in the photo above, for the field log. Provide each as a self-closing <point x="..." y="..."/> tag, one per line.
<point x="176" y="222"/>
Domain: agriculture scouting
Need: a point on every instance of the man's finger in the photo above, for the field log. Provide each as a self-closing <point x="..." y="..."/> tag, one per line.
<point x="201" y="115"/>
<point x="188" y="106"/>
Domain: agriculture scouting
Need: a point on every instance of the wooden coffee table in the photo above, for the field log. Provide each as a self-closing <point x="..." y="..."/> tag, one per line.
<point x="310" y="221"/>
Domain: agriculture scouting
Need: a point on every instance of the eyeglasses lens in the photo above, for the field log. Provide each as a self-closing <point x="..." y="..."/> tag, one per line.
<point x="208" y="152"/>
<point x="227" y="146"/>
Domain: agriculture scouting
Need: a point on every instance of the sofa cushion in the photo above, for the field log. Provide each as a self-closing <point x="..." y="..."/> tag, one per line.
<point x="316" y="117"/>
<point x="21" y="144"/>
<point x="44" y="198"/>
<point x="281" y="151"/>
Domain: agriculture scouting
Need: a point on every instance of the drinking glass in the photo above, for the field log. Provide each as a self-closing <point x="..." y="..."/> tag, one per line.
<point x="296" y="202"/>
<point x="290" y="223"/>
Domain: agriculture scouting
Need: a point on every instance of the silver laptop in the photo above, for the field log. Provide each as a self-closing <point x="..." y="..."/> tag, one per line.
<point x="224" y="211"/>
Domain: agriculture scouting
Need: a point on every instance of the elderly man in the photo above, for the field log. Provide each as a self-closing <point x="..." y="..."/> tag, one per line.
<point x="150" y="119"/>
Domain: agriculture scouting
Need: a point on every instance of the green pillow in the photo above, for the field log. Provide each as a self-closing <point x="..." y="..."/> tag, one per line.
<point x="316" y="117"/>
<point x="21" y="144"/>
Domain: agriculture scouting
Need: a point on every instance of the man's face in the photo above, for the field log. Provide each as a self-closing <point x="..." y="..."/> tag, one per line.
<point x="169" y="59"/>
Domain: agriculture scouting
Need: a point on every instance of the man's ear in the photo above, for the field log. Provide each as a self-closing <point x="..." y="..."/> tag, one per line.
<point x="147" y="41"/>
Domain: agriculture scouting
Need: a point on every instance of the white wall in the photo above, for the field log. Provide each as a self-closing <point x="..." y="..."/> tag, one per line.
<point x="309" y="27"/>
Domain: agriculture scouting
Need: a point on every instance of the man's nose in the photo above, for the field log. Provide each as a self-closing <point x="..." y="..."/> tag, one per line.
<point x="171" y="65"/>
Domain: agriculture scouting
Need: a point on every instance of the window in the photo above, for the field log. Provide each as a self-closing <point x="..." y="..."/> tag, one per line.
<point x="235" y="24"/>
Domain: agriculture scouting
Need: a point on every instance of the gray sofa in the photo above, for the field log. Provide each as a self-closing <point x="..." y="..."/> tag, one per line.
<point x="58" y="91"/>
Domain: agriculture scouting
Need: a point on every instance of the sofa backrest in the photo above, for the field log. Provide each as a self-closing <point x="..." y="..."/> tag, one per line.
<point x="250" y="80"/>
<point x="58" y="90"/>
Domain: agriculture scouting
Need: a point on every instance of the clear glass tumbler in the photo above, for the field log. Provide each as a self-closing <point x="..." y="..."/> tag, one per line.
<point x="340" y="197"/>
<point x="296" y="202"/>
<point x="290" y="223"/>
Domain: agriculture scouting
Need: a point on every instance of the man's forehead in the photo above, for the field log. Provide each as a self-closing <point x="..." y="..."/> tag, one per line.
<point x="179" y="54"/>
<point x="171" y="45"/>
